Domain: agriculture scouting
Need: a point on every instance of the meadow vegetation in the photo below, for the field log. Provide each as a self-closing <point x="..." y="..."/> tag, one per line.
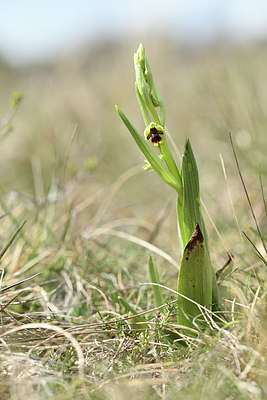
<point x="94" y="217"/>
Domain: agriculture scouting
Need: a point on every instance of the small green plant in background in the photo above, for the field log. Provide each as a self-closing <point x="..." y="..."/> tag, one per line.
<point x="197" y="286"/>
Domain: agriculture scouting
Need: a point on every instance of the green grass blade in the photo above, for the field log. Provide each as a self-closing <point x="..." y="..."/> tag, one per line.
<point x="256" y="233"/>
<point x="257" y="253"/>
<point x="157" y="290"/>
<point x="128" y="307"/>
<point x="136" y="319"/>
<point x="262" y="194"/>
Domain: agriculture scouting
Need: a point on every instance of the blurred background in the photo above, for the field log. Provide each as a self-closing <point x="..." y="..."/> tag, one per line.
<point x="73" y="60"/>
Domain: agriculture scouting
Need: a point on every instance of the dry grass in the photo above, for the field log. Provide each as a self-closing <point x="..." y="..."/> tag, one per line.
<point x="93" y="218"/>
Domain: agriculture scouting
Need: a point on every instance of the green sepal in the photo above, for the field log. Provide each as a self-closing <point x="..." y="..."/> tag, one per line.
<point x="194" y="280"/>
<point x="149" y="154"/>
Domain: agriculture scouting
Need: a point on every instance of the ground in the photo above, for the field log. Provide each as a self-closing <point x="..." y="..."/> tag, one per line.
<point x="70" y="168"/>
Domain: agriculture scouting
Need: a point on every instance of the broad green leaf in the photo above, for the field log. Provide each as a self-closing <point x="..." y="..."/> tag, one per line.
<point x="191" y="212"/>
<point x="149" y="154"/>
<point x="194" y="281"/>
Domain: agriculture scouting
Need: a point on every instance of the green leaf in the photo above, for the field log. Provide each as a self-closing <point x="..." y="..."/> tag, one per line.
<point x="148" y="167"/>
<point x="149" y="154"/>
<point x="194" y="281"/>
<point x="191" y="211"/>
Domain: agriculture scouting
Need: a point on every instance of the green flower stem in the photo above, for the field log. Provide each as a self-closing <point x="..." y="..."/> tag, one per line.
<point x="168" y="158"/>
<point x="155" y="115"/>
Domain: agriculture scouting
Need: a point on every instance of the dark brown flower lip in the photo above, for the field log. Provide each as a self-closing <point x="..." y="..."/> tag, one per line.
<point x="156" y="138"/>
<point x="155" y="135"/>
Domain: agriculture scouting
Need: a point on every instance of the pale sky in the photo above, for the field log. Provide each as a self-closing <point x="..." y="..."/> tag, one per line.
<point x="32" y="30"/>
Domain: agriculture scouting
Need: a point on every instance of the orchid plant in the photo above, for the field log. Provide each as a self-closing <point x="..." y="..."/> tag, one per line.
<point x="197" y="286"/>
